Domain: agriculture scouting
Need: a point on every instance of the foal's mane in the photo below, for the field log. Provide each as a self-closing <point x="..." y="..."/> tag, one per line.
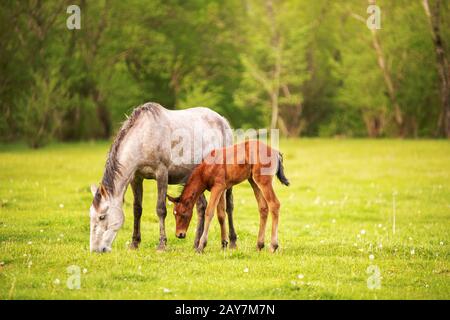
<point x="183" y="183"/>
<point x="112" y="166"/>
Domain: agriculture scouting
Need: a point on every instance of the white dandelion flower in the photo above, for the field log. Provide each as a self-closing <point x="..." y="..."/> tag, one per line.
<point x="413" y="252"/>
<point x="61" y="205"/>
<point x="30" y="242"/>
<point x="165" y="290"/>
<point x="363" y="232"/>
<point x="333" y="221"/>
<point x="41" y="231"/>
<point x="307" y="226"/>
<point x="57" y="281"/>
<point x="441" y="243"/>
<point x="371" y="257"/>
<point x="380" y="225"/>
<point x="246" y="270"/>
<point x="85" y="270"/>
<point x="300" y="276"/>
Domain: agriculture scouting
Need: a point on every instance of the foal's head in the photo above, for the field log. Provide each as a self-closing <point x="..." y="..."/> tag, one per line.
<point x="183" y="214"/>
<point x="106" y="219"/>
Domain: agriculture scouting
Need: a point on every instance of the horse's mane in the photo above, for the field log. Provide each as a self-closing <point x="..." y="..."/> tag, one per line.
<point x="112" y="166"/>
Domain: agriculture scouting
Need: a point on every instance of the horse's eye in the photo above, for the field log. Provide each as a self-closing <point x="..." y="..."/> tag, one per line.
<point x="102" y="217"/>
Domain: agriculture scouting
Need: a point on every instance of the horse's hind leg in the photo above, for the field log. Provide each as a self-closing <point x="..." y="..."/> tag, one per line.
<point x="201" y="207"/>
<point x="136" y="187"/>
<point x="263" y="213"/>
<point x="221" y="215"/>
<point x="229" y="209"/>
<point x="161" y="181"/>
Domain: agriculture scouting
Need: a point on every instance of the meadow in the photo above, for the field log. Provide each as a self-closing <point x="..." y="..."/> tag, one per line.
<point x="337" y="234"/>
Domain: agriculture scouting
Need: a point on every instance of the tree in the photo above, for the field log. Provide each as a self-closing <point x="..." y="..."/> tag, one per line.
<point x="434" y="17"/>
<point x="274" y="59"/>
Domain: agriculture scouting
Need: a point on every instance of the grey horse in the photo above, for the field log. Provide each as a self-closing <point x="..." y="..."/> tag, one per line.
<point x="161" y="144"/>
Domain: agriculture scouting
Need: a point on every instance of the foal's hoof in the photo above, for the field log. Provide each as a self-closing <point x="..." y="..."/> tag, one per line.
<point x="233" y="245"/>
<point x="260" y="245"/>
<point x="224" y="244"/>
<point x="273" y="248"/>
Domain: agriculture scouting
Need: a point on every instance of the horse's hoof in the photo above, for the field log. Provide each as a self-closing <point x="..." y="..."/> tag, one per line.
<point x="273" y="248"/>
<point x="196" y="243"/>
<point x="133" y="247"/>
<point x="161" y="248"/>
<point x="233" y="245"/>
<point x="224" y="244"/>
<point x="199" y="250"/>
<point x="260" y="245"/>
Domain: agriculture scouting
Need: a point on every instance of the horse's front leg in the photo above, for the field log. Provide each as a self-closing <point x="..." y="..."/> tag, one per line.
<point x="136" y="187"/>
<point x="161" y="181"/>
<point x="201" y="207"/>
<point x="216" y="193"/>
<point x="221" y="215"/>
<point x="229" y="209"/>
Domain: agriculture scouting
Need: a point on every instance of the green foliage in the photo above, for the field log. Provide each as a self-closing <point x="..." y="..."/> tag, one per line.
<point x="314" y="60"/>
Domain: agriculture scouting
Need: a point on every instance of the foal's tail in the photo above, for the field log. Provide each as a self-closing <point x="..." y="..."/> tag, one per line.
<point x="280" y="171"/>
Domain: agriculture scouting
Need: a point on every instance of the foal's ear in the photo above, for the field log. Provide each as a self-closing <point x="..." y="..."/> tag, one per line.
<point x="172" y="199"/>
<point x="93" y="189"/>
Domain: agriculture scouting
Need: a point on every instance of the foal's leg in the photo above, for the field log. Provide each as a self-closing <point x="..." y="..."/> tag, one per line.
<point x="201" y="207"/>
<point x="265" y="184"/>
<point x="136" y="187"/>
<point x="221" y="215"/>
<point x="161" y="181"/>
<point x="263" y="213"/>
<point x="216" y="193"/>
<point x="229" y="208"/>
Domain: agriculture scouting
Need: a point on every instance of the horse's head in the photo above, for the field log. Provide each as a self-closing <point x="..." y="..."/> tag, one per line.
<point x="183" y="215"/>
<point x="106" y="217"/>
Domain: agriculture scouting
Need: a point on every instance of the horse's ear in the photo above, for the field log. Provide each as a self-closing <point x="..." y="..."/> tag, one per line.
<point x="93" y="189"/>
<point x="103" y="191"/>
<point x="172" y="199"/>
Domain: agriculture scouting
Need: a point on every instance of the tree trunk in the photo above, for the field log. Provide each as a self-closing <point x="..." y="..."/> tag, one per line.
<point x="387" y="78"/>
<point x="276" y="45"/>
<point x="442" y="66"/>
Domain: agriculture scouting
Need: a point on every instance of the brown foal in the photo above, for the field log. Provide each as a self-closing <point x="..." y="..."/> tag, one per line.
<point x="220" y="170"/>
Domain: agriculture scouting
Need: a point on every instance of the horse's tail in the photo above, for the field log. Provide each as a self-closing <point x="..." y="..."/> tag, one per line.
<point x="280" y="171"/>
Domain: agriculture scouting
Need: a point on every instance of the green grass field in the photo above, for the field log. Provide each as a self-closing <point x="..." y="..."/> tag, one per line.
<point x="336" y="221"/>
